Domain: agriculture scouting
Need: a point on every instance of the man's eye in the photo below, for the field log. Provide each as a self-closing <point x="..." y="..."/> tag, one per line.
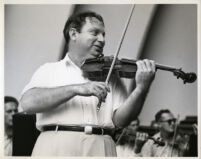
<point x="94" y="33"/>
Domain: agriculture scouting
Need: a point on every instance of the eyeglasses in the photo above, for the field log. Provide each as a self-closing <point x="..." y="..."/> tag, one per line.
<point x="170" y="121"/>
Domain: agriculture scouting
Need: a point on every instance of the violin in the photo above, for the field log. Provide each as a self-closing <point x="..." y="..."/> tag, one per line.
<point x="96" y="69"/>
<point x="125" y="135"/>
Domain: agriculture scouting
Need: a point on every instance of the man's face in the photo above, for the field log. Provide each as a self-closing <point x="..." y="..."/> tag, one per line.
<point x="91" y="39"/>
<point x="10" y="110"/>
<point x="133" y="126"/>
<point x="167" y="123"/>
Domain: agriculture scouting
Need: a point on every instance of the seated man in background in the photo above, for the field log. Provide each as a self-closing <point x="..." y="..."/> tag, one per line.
<point x="174" y="145"/>
<point x="130" y="141"/>
<point x="10" y="108"/>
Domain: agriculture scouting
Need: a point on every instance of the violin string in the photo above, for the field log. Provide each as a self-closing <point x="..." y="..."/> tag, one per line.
<point x="165" y="67"/>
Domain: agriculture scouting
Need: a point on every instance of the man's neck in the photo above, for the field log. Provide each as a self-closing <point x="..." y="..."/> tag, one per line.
<point x="78" y="60"/>
<point x="166" y="136"/>
<point x="9" y="132"/>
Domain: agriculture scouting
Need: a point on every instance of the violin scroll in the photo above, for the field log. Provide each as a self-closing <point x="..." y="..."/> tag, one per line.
<point x="186" y="77"/>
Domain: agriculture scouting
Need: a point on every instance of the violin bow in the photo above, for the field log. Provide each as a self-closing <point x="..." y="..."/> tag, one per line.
<point x="118" y="49"/>
<point x="175" y="135"/>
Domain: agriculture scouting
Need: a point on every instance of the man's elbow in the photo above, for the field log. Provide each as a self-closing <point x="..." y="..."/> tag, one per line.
<point x="118" y="122"/>
<point x="26" y="104"/>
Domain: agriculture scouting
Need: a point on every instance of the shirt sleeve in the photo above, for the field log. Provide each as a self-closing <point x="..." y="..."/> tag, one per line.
<point x="39" y="78"/>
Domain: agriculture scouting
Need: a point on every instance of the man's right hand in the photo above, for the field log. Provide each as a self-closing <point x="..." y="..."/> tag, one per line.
<point x="98" y="89"/>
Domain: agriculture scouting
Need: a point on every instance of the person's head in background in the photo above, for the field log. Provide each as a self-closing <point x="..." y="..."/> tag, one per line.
<point x="10" y="108"/>
<point x="133" y="126"/>
<point x="129" y="133"/>
<point x="166" y="122"/>
<point x="85" y="35"/>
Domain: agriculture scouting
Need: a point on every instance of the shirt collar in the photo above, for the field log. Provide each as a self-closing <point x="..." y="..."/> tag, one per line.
<point x="68" y="60"/>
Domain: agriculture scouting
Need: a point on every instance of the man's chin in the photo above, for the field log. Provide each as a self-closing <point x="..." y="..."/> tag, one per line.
<point x="97" y="52"/>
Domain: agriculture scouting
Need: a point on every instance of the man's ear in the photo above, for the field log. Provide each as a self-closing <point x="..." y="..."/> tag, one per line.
<point x="73" y="34"/>
<point x="159" y="125"/>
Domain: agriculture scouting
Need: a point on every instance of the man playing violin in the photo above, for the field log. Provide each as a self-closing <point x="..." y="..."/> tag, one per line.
<point x="130" y="141"/>
<point x="174" y="145"/>
<point x="65" y="101"/>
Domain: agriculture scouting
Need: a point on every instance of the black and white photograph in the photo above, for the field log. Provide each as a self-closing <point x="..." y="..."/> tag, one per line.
<point x="101" y="80"/>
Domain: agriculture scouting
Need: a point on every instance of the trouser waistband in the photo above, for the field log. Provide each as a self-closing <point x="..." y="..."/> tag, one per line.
<point x="86" y="129"/>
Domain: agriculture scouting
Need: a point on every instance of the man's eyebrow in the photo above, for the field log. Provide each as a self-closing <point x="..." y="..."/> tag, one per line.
<point x="97" y="29"/>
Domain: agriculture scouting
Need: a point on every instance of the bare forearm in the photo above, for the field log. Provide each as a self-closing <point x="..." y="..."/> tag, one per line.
<point x="130" y="109"/>
<point x="42" y="99"/>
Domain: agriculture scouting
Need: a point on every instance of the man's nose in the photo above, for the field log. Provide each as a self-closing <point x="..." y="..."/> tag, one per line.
<point x="172" y="123"/>
<point x="101" y="38"/>
<point x="13" y="112"/>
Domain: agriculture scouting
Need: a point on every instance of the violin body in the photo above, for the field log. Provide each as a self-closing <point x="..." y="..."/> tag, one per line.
<point x="97" y="69"/>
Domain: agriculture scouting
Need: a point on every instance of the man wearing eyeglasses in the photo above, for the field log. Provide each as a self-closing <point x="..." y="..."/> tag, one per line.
<point x="173" y="145"/>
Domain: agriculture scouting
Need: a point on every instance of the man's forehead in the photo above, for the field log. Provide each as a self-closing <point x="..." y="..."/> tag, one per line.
<point x="134" y="122"/>
<point x="167" y="116"/>
<point x="93" y="20"/>
<point x="10" y="105"/>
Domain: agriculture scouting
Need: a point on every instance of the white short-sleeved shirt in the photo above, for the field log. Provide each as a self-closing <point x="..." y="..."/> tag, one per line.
<point x="79" y="110"/>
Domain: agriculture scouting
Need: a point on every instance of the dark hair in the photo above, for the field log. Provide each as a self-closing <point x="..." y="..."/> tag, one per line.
<point x="10" y="99"/>
<point x="137" y="119"/>
<point x="77" y="21"/>
<point x="159" y="114"/>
